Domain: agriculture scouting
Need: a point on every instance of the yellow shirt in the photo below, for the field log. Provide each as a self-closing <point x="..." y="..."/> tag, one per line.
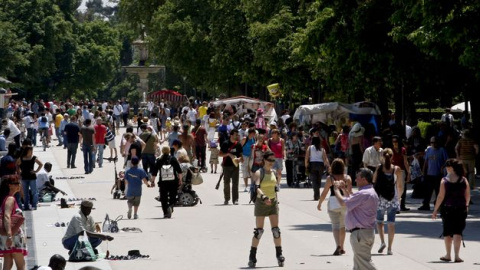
<point x="202" y="110"/>
<point x="58" y="120"/>
<point x="268" y="184"/>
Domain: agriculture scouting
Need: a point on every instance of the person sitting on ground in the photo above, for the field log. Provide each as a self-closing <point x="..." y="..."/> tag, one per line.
<point x="80" y="223"/>
<point x="57" y="262"/>
<point x="45" y="183"/>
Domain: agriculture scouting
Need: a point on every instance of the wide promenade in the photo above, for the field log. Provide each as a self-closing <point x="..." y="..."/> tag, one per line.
<point x="216" y="236"/>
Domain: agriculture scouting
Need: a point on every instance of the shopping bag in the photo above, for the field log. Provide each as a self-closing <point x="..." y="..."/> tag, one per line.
<point x="83" y="250"/>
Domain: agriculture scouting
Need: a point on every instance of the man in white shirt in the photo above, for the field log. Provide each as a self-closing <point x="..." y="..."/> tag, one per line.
<point x="28" y="121"/>
<point x="192" y="114"/>
<point x="447" y="118"/>
<point x="372" y="155"/>
<point x="14" y="131"/>
<point x="44" y="183"/>
<point x="117" y="114"/>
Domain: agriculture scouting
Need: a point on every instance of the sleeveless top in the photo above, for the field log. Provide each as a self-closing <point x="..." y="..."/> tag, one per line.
<point x="316" y="155"/>
<point x="27" y="166"/>
<point x="332" y="192"/>
<point x="455" y="193"/>
<point x="268" y="185"/>
<point x="247" y="147"/>
<point x="276" y="148"/>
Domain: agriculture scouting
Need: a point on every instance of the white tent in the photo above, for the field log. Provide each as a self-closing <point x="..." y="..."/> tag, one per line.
<point x="460" y="107"/>
<point x="334" y="110"/>
<point x="243" y="103"/>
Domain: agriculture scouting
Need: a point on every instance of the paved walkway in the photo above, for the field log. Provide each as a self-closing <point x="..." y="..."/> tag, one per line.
<point x="213" y="236"/>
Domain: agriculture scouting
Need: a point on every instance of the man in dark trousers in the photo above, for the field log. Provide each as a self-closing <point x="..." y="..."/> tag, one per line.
<point x="170" y="178"/>
<point x="72" y="132"/>
<point x="229" y="150"/>
<point x="87" y="139"/>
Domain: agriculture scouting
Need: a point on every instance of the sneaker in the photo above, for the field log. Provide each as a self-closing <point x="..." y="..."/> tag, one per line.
<point x="225" y="202"/>
<point x="73" y="167"/>
<point x="135" y="216"/>
<point x="389" y="252"/>
<point x="245" y="190"/>
<point x="424" y="208"/>
<point x="382" y="247"/>
<point x="235" y="202"/>
<point x="129" y="214"/>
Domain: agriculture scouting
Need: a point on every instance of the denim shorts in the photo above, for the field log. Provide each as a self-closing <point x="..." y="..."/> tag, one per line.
<point x="278" y="165"/>
<point x="391" y="213"/>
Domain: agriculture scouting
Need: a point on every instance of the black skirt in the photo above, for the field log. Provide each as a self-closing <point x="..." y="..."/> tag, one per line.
<point x="454" y="219"/>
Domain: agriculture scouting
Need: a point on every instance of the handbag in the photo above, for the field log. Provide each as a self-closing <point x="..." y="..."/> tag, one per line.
<point x="197" y="178"/>
<point x="333" y="203"/>
<point x="83" y="250"/>
<point x="16" y="220"/>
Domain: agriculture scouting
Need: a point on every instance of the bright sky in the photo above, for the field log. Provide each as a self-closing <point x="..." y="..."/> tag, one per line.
<point x="105" y="3"/>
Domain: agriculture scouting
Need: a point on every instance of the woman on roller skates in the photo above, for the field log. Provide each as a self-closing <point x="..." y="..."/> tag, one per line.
<point x="266" y="205"/>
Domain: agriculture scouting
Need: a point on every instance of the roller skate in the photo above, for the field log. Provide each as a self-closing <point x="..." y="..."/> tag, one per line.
<point x="252" y="259"/>
<point x="280" y="258"/>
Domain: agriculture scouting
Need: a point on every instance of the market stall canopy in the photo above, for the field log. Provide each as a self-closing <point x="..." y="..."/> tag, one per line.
<point x="243" y="103"/>
<point x="363" y="112"/>
<point x="460" y="107"/>
<point x="168" y="95"/>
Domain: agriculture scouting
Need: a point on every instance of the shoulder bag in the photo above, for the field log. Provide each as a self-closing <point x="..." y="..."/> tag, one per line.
<point x="197" y="178"/>
<point x="16" y="220"/>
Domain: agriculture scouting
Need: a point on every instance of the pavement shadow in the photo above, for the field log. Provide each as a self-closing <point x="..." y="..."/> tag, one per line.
<point x="312" y="227"/>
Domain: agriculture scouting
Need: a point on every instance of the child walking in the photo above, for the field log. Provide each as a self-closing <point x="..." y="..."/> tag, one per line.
<point x="213" y="148"/>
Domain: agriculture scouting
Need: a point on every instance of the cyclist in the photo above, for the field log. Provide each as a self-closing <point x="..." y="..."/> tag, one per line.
<point x="43" y="126"/>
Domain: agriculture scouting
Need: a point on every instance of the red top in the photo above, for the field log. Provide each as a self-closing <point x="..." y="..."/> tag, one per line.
<point x="100" y="132"/>
<point x="397" y="158"/>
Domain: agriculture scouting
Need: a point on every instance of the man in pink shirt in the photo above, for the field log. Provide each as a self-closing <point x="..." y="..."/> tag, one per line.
<point x="360" y="217"/>
<point x="100" y="132"/>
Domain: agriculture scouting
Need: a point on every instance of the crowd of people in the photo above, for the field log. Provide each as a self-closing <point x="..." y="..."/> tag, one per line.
<point x="382" y="163"/>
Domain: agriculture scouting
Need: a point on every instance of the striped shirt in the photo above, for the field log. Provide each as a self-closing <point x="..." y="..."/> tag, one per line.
<point x="109" y="136"/>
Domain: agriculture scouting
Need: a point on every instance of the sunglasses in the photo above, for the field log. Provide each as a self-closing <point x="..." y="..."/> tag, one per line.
<point x="270" y="160"/>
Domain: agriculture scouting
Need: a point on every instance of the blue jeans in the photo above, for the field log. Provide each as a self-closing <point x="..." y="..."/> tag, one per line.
<point x="69" y="243"/>
<point x="65" y="141"/>
<point x="88" y="157"/>
<point x="29" y="185"/>
<point x="100" y="148"/>
<point x="391" y="213"/>
<point x="59" y="135"/>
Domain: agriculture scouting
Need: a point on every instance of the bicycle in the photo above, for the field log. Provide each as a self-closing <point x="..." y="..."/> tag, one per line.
<point x="44" y="138"/>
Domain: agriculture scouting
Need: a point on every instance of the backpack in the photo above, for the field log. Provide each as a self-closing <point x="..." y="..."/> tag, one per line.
<point x="253" y="188"/>
<point x="385" y="186"/>
<point x="166" y="171"/>
<point x="43" y="119"/>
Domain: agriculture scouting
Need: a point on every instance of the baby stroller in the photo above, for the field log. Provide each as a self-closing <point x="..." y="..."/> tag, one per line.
<point x="118" y="188"/>
<point x="186" y="195"/>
